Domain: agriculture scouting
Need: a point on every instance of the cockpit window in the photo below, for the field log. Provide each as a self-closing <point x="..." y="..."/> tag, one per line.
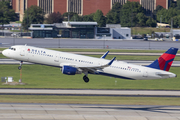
<point x="12" y="48"/>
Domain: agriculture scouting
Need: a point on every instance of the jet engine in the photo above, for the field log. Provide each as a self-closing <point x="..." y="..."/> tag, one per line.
<point x="69" y="70"/>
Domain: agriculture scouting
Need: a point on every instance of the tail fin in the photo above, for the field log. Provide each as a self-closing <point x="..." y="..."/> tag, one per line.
<point x="165" y="61"/>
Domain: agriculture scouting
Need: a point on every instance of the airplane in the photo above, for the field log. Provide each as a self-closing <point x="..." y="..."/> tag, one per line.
<point x="72" y="64"/>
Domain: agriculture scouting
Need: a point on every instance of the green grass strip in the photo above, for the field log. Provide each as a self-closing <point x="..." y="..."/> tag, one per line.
<point x="39" y="76"/>
<point x="90" y="100"/>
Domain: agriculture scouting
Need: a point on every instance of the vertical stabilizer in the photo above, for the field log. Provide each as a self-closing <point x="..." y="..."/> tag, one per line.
<point x="165" y="61"/>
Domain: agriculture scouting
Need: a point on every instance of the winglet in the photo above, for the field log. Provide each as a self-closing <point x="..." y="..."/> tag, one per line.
<point x="106" y="65"/>
<point x="104" y="56"/>
<point x="98" y="67"/>
<point x="111" y="61"/>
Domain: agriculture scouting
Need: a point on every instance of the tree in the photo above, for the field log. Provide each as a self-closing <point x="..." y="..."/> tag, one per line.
<point x="88" y="17"/>
<point x="113" y="16"/>
<point x="159" y="7"/>
<point x="166" y="15"/>
<point x="176" y="21"/>
<point x="141" y="20"/>
<point x="33" y="15"/>
<point x="128" y="13"/>
<point x="70" y="14"/>
<point x="178" y="4"/>
<point x="6" y="13"/>
<point x="151" y="22"/>
<point x="99" y="18"/>
<point x="110" y="19"/>
<point x="76" y="17"/>
<point x="54" y="17"/>
<point x="173" y="4"/>
<point x="161" y="15"/>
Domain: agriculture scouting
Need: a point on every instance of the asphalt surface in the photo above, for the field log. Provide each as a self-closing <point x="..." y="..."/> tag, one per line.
<point x="89" y="43"/>
<point x="84" y="92"/>
<point x="10" y="111"/>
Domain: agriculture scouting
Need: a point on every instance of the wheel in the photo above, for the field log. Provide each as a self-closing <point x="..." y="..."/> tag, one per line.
<point x="19" y="67"/>
<point x="86" y="79"/>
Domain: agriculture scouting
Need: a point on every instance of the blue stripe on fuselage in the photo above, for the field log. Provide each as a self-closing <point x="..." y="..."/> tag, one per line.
<point x="99" y="73"/>
<point x="116" y="76"/>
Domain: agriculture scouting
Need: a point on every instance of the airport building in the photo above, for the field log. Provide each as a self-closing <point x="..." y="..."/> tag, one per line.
<point x="83" y="30"/>
<point x="82" y="7"/>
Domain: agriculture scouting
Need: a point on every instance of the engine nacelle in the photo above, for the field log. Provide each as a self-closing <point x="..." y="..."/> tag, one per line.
<point x="68" y="70"/>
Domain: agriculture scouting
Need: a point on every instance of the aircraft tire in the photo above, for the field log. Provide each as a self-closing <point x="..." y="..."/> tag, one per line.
<point x="86" y="79"/>
<point x="19" y="67"/>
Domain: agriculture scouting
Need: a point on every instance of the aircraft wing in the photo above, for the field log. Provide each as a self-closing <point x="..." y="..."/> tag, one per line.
<point x="93" y="69"/>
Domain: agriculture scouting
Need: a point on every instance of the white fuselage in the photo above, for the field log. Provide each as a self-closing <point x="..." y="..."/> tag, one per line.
<point x="117" y="69"/>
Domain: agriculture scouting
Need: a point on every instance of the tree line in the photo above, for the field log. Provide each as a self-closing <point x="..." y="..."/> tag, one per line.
<point x="167" y="15"/>
<point x="131" y="14"/>
<point x="7" y="14"/>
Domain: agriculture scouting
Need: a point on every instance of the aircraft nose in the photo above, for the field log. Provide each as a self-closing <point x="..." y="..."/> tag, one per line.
<point x="5" y="52"/>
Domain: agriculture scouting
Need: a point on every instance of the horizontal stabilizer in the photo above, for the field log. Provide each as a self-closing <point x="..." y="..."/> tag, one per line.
<point x="161" y="74"/>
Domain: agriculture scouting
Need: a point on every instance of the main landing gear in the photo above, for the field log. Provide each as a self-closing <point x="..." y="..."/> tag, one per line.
<point x="20" y="67"/>
<point x="86" y="79"/>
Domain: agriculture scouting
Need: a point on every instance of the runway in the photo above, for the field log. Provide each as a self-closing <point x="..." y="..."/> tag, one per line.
<point x="87" y="92"/>
<point x="10" y="111"/>
<point x="89" y="43"/>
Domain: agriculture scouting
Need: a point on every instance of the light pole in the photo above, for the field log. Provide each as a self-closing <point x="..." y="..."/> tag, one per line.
<point x="13" y="38"/>
<point x="171" y="28"/>
<point x="104" y="41"/>
<point x="59" y="43"/>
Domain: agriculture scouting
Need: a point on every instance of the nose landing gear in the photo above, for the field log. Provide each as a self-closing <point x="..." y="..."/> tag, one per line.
<point x="20" y="67"/>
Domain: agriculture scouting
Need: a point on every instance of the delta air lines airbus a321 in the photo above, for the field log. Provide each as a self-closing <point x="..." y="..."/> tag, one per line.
<point x="72" y="64"/>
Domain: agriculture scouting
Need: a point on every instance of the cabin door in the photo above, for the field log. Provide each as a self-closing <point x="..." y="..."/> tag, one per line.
<point x="56" y="59"/>
<point x="145" y="73"/>
<point x="22" y="53"/>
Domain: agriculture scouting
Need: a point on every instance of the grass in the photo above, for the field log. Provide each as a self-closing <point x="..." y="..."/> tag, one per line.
<point x="15" y="30"/>
<point x="89" y="100"/>
<point x="148" y="30"/>
<point x="38" y="76"/>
